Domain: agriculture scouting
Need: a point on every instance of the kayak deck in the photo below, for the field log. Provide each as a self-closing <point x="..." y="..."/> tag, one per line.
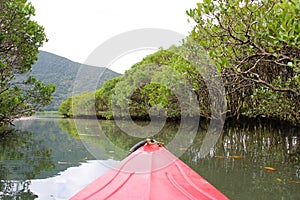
<point x="151" y="172"/>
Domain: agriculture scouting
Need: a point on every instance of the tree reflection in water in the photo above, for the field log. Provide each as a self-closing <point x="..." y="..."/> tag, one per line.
<point x="21" y="158"/>
<point x="237" y="165"/>
<point x="252" y="161"/>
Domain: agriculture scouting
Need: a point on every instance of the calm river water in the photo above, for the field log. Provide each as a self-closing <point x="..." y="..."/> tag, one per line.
<point x="52" y="158"/>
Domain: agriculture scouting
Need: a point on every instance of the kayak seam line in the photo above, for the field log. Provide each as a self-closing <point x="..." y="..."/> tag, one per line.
<point x="192" y="184"/>
<point x="115" y="191"/>
<point x="178" y="187"/>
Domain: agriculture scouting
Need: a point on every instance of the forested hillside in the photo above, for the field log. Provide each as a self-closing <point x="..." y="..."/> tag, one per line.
<point x="62" y="72"/>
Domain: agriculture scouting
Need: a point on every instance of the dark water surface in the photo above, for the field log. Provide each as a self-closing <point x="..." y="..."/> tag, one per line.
<point x="51" y="158"/>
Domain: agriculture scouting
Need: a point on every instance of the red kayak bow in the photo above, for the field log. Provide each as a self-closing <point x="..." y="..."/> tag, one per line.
<point x="151" y="173"/>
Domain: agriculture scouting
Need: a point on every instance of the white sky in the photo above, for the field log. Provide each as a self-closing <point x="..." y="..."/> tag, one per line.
<point x="76" y="27"/>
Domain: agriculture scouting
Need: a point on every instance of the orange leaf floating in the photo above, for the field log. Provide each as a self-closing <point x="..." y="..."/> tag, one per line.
<point x="182" y="149"/>
<point x="63" y="163"/>
<point x="230" y="156"/>
<point x="237" y="156"/>
<point x="271" y="169"/>
<point x="219" y="156"/>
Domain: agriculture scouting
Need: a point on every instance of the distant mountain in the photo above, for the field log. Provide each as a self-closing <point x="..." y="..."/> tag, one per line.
<point x="51" y="68"/>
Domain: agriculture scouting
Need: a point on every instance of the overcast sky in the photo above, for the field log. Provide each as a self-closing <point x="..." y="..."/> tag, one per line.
<point x="76" y="27"/>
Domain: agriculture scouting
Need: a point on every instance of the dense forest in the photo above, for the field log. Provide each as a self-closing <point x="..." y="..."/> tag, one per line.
<point x="242" y="59"/>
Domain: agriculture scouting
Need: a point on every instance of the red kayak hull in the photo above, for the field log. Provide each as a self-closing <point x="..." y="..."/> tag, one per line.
<point x="151" y="173"/>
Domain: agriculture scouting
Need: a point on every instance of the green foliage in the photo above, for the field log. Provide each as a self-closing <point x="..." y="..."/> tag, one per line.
<point x="255" y="44"/>
<point x="147" y="85"/>
<point x="153" y="83"/>
<point x="83" y="104"/>
<point x="65" y="108"/>
<point x="103" y="98"/>
<point x="254" y="47"/>
<point x="20" y="38"/>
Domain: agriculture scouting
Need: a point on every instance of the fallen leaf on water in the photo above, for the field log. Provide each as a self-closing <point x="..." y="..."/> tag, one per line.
<point x="279" y="179"/>
<point x="230" y="156"/>
<point x="219" y="156"/>
<point x="237" y="156"/>
<point x="63" y="163"/>
<point x="182" y="149"/>
<point x="271" y="169"/>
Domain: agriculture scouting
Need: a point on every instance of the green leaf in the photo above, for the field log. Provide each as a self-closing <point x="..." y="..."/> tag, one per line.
<point x="290" y="64"/>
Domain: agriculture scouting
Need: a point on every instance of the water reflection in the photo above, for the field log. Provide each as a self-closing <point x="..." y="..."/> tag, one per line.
<point x="70" y="181"/>
<point x="249" y="161"/>
<point x="238" y="165"/>
<point x="35" y="149"/>
<point x="252" y="161"/>
<point x="22" y="158"/>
